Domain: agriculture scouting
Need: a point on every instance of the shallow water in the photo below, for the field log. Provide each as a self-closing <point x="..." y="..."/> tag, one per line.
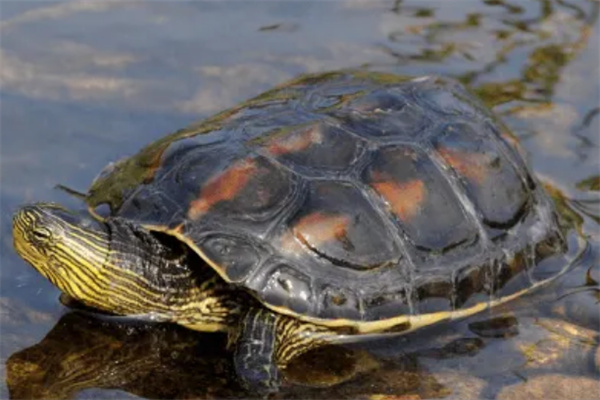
<point x="86" y="83"/>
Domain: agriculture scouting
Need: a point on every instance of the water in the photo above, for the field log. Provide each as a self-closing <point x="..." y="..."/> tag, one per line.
<point x="87" y="83"/>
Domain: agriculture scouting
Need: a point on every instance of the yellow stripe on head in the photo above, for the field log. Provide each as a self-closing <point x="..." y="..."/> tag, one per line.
<point x="118" y="267"/>
<point x="68" y="248"/>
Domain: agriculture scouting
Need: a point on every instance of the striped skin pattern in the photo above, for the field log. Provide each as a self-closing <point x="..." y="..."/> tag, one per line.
<point x="265" y="337"/>
<point x="112" y="267"/>
<point x="36" y="241"/>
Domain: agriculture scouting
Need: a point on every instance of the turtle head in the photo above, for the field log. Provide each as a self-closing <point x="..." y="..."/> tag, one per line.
<point x="66" y="247"/>
<point x="112" y="266"/>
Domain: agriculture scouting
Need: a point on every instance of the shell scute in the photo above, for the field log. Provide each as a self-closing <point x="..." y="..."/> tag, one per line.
<point x="317" y="149"/>
<point x="489" y="177"/>
<point x="237" y="256"/>
<point x="338" y="224"/>
<point x="435" y="294"/>
<point x="417" y="194"/>
<point x="224" y="187"/>
<point x="339" y="302"/>
<point x="473" y="285"/>
<point x="394" y="300"/>
<point x="252" y="189"/>
<point x="448" y="97"/>
<point x="384" y="115"/>
<point x="286" y="286"/>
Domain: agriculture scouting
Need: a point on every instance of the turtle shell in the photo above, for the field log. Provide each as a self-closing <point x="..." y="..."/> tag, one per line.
<point x="349" y="198"/>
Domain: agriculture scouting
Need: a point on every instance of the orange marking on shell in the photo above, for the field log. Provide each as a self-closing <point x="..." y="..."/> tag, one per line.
<point x="318" y="228"/>
<point x="296" y="141"/>
<point x="222" y="187"/>
<point x="471" y="165"/>
<point x="404" y="198"/>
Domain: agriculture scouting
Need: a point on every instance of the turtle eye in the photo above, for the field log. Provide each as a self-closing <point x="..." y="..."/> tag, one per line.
<point x="41" y="234"/>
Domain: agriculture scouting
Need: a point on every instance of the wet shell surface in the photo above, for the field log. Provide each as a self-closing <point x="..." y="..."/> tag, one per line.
<point x="349" y="197"/>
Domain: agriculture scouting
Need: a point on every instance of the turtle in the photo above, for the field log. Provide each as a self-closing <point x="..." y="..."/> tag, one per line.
<point x="336" y="206"/>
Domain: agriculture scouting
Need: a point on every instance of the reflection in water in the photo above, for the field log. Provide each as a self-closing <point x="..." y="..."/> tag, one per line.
<point x="590" y="287"/>
<point x="83" y="352"/>
<point x="503" y="326"/>
<point x="550" y="38"/>
<point x="149" y="360"/>
<point x="591" y="183"/>
<point x="166" y="361"/>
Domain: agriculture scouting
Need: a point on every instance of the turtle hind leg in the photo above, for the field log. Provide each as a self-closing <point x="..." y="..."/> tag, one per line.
<point x="266" y="342"/>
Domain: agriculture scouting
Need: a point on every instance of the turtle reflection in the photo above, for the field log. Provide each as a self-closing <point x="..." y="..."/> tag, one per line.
<point x="84" y="352"/>
<point x="148" y="360"/>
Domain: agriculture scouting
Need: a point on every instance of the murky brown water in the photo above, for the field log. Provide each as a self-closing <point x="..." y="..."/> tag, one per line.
<point x="86" y="83"/>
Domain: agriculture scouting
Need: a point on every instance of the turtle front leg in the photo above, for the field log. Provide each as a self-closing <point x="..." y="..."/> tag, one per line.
<point x="255" y="350"/>
<point x="266" y="342"/>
